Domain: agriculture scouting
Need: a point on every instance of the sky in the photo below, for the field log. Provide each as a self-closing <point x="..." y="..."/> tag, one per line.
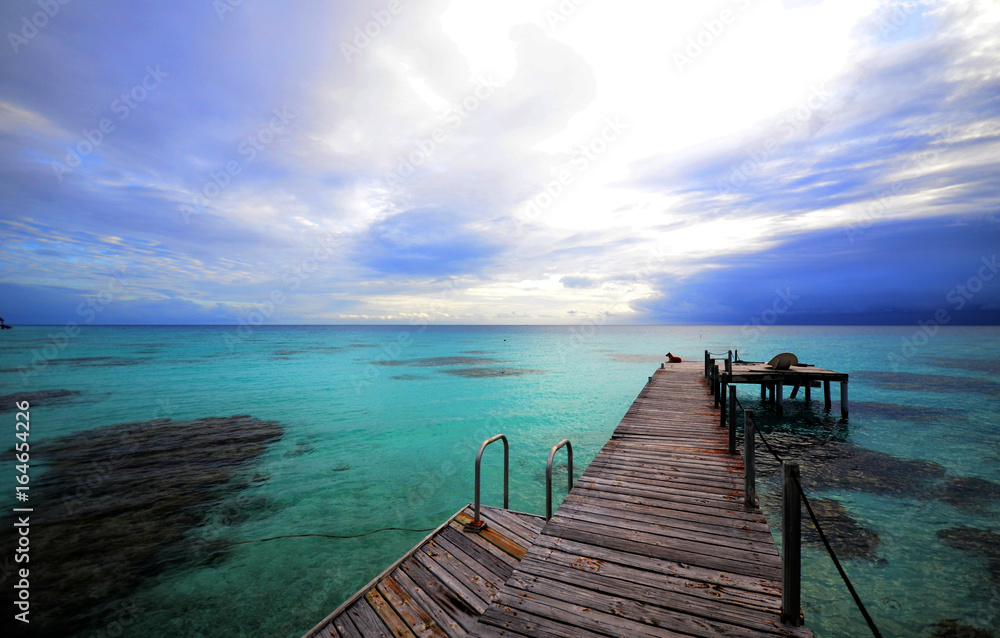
<point x="524" y="162"/>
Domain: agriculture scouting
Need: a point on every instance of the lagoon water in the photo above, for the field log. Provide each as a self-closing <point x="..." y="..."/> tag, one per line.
<point x="380" y="425"/>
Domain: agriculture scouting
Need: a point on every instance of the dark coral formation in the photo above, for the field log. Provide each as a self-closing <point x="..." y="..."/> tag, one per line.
<point x="114" y="505"/>
<point x="490" y="372"/>
<point x="8" y="402"/>
<point x="953" y="629"/>
<point x="983" y="542"/>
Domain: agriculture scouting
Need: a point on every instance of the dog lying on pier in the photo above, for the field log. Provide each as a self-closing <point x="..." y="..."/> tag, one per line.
<point x="672" y="359"/>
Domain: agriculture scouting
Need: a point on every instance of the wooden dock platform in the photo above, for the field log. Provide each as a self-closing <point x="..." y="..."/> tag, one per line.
<point x="441" y="586"/>
<point x="654" y="539"/>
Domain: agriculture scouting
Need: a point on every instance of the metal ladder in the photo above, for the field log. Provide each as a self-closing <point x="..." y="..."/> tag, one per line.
<point x="477" y="525"/>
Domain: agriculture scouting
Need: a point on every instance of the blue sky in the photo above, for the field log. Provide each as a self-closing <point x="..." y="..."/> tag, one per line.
<point x="533" y="162"/>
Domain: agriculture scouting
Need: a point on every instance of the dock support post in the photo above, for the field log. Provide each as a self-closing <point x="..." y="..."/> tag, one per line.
<point x="723" y="391"/>
<point x="729" y="362"/>
<point x="763" y="392"/>
<point x="708" y="370"/>
<point x="808" y="389"/>
<point x="791" y="546"/>
<point x="779" y="390"/>
<point x="770" y="392"/>
<point x="732" y="419"/>
<point x="715" y="383"/>
<point x="843" y="399"/>
<point x="826" y="393"/>
<point x="749" y="464"/>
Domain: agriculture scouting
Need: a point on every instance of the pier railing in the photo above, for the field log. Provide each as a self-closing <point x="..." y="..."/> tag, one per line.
<point x="793" y="497"/>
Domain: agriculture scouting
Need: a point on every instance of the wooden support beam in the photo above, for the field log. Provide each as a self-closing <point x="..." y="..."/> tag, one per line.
<point x="826" y="394"/>
<point x="779" y="390"/>
<point x="808" y="396"/>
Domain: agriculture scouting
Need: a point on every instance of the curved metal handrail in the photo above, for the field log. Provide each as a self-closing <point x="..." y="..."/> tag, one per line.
<point x="477" y="525"/>
<point x="548" y="474"/>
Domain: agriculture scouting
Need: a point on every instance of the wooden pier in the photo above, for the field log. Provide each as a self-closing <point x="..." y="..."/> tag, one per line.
<point x="654" y="539"/>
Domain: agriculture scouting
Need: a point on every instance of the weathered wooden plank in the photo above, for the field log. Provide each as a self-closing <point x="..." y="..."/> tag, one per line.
<point x="345" y="627"/>
<point x="480" y="581"/>
<point x="328" y="632"/>
<point x="663" y="517"/>
<point x="367" y="622"/>
<point x="523" y="623"/>
<point x="498" y="538"/>
<point x="420" y="622"/>
<point x="389" y="618"/>
<point x="491" y="558"/>
<point x="520" y="528"/>
<point x="767" y="588"/>
<point x="696" y="551"/>
<point x="645" y="608"/>
<point x="579" y="615"/>
<point x="450" y="615"/>
<point x="658" y="575"/>
<point x="449" y="600"/>
<point x="445" y="568"/>
<point x="677" y="536"/>
<point x="677" y="599"/>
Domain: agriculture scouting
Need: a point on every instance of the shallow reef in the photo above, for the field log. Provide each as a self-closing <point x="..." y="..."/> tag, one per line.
<point x="8" y="402"/>
<point x="489" y="372"/>
<point x="953" y="629"/>
<point x="913" y="382"/>
<point x="115" y="504"/>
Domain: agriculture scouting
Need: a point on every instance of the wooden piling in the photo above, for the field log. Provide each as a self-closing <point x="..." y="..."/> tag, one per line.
<point x="791" y="545"/>
<point x="732" y="419"/>
<point x="749" y="462"/>
<point x="826" y="394"/>
<point x="723" y="392"/>
<point x="843" y="399"/>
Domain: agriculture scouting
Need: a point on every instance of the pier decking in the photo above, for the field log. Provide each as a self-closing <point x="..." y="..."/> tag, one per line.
<point x="441" y="586"/>
<point x="654" y="539"/>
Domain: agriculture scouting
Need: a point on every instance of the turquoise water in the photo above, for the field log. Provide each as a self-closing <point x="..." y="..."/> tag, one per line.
<point x="381" y="426"/>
